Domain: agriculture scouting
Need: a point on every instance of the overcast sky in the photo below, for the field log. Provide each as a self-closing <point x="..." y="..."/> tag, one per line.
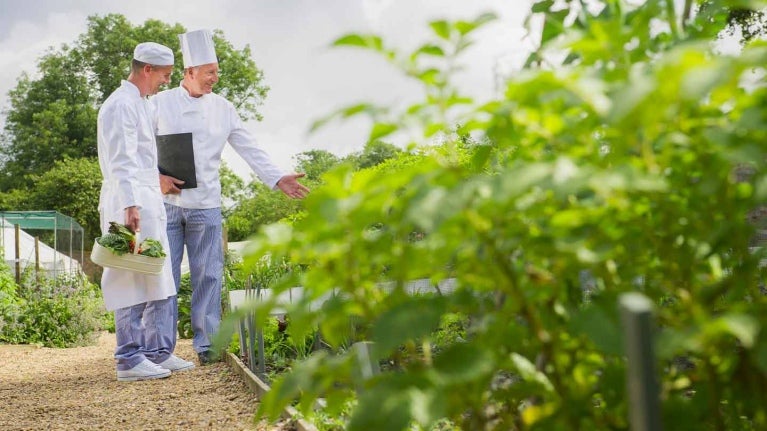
<point x="289" y="40"/>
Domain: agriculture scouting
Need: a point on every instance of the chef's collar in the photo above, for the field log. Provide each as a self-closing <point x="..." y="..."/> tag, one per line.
<point x="131" y="86"/>
<point x="186" y="92"/>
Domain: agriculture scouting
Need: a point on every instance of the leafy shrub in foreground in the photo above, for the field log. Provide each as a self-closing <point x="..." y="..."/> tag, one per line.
<point x="620" y="165"/>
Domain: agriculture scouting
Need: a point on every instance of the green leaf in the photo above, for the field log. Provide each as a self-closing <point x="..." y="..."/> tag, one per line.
<point x="542" y="6"/>
<point x="360" y="40"/>
<point x="760" y="355"/>
<point x="381" y="410"/>
<point x="432" y="129"/>
<point x="290" y="385"/>
<point x="601" y="327"/>
<point x="335" y="327"/>
<point x="485" y="18"/>
<point x="527" y="371"/>
<point x="441" y="28"/>
<point x="553" y="25"/>
<point x="743" y="327"/>
<point x="481" y="157"/>
<point x="466" y="27"/>
<point x="463" y="363"/>
<point x="410" y="320"/>
<point x="356" y="109"/>
<point x="382" y="129"/>
<point x="430" y="76"/>
<point x="427" y="406"/>
<point x="346" y="112"/>
<point x="429" y="49"/>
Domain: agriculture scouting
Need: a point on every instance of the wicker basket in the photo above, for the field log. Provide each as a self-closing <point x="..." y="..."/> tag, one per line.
<point x="130" y="262"/>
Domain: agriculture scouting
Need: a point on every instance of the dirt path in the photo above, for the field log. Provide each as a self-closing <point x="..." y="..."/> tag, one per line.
<point x="77" y="389"/>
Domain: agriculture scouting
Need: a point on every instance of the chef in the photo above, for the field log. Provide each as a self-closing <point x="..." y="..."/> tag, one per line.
<point x="194" y="214"/>
<point x="130" y="194"/>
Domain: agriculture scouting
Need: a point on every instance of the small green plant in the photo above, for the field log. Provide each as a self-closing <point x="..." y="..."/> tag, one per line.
<point x="234" y="278"/>
<point x="184" y="298"/>
<point x="64" y="312"/>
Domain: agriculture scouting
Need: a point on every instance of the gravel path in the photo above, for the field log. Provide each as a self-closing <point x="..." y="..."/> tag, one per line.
<point x="77" y="389"/>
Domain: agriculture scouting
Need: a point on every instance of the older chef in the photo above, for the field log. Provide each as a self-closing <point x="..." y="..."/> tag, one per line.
<point x="130" y="194"/>
<point x="194" y="214"/>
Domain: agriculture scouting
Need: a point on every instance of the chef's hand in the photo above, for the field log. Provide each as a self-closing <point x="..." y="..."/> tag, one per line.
<point x="291" y="187"/>
<point x="169" y="185"/>
<point x="132" y="218"/>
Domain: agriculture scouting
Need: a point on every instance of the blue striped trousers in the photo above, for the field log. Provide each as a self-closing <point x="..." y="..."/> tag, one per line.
<point x="141" y="331"/>
<point x="200" y="230"/>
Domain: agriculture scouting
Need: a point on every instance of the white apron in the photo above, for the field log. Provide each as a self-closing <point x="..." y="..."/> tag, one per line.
<point x="122" y="288"/>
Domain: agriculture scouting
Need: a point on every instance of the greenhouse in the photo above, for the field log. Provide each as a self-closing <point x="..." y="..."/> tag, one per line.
<point x="47" y="240"/>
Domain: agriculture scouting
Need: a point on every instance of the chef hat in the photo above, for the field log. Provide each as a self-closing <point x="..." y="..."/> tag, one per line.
<point x="197" y="48"/>
<point x="153" y="54"/>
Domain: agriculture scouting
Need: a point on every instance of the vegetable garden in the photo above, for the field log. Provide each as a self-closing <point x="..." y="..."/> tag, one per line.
<point x="635" y="164"/>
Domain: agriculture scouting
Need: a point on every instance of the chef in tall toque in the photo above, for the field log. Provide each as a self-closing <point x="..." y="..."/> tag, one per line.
<point x="194" y="214"/>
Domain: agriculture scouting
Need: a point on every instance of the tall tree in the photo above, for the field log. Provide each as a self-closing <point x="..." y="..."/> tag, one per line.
<point x="49" y="118"/>
<point x="314" y="163"/>
<point x="375" y="153"/>
<point x="263" y="207"/>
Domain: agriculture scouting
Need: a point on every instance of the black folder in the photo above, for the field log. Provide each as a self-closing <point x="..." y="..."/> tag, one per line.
<point x="175" y="157"/>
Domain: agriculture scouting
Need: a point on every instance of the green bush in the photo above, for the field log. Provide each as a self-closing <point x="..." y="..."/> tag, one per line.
<point x="64" y="312"/>
<point x="620" y="164"/>
<point x="9" y="304"/>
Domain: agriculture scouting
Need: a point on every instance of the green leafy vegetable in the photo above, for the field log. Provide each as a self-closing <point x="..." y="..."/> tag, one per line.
<point x="121" y="239"/>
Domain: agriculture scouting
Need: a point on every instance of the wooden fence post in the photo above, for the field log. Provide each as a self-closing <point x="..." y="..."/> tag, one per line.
<point x="37" y="259"/>
<point x="644" y="406"/>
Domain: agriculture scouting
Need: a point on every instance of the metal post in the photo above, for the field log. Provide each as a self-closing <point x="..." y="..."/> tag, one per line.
<point x="260" y="337"/>
<point x="366" y="361"/>
<point x="250" y="325"/>
<point x="241" y="324"/>
<point x="55" y="251"/>
<point x="251" y="335"/>
<point x="18" y="253"/>
<point x="644" y="407"/>
<point x="261" y="354"/>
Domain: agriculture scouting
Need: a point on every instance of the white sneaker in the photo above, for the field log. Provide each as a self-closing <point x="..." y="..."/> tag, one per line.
<point x="174" y="363"/>
<point x="145" y="370"/>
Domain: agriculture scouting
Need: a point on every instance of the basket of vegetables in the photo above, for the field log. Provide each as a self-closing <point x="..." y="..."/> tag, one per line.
<point x="119" y="249"/>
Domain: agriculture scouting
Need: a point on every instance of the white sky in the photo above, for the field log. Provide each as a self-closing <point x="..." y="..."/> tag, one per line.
<point x="289" y="40"/>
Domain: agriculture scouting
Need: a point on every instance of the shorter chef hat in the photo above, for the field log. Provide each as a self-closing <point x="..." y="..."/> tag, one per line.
<point x="197" y="48"/>
<point x="153" y="54"/>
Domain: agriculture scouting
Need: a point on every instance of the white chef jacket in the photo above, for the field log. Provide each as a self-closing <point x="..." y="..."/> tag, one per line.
<point x="128" y="160"/>
<point x="213" y="121"/>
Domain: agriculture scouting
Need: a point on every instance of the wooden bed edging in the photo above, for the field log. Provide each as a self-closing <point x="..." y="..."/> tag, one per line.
<point x="260" y="388"/>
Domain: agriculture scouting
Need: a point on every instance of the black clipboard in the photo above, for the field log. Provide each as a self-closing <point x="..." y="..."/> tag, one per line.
<point x="175" y="157"/>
